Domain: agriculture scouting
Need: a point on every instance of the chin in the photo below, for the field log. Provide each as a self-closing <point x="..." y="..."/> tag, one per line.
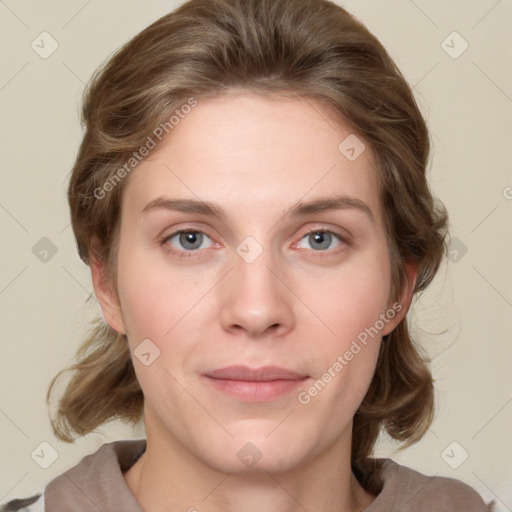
<point x="253" y="451"/>
<point x="273" y="463"/>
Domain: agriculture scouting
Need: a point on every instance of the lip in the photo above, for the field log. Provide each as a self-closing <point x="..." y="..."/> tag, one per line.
<point x="263" y="374"/>
<point x="255" y="384"/>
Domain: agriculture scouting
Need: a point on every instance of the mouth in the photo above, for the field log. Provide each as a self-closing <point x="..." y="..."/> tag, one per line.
<point x="255" y="384"/>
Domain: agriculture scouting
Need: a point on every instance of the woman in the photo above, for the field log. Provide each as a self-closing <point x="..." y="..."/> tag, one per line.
<point x="250" y="195"/>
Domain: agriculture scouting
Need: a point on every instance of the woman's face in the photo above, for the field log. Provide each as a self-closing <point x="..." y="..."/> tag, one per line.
<point x="255" y="335"/>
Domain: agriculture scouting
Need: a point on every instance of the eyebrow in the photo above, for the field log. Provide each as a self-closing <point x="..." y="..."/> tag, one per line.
<point x="318" y="205"/>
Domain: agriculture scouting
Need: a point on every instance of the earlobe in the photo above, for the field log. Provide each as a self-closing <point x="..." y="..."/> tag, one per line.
<point x="107" y="299"/>
<point x="402" y="307"/>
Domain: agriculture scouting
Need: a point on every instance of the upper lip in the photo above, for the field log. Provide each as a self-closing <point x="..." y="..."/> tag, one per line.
<point x="263" y="374"/>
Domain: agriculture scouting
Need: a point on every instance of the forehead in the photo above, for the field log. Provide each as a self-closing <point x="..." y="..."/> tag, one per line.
<point x="247" y="151"/>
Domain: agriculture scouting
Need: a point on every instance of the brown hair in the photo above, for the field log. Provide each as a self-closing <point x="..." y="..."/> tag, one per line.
<point x="312" y="48"/>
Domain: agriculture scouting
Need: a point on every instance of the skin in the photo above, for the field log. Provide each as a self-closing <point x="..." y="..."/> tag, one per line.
<point x="298" y="306"/>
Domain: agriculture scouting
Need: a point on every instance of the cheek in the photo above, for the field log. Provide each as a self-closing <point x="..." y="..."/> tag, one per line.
<point x="154" y="306"/>
<point x="142" y="307"/>
<point x="153" y="299"/>
<point x="352" y="298"/>
<point x="350" y="302"/>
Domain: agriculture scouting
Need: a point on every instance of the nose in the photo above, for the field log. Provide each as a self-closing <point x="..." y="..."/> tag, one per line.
<point x="255" y="299"/>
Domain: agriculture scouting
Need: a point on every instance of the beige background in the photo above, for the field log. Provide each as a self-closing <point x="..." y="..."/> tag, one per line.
<point x="468" y="104"/>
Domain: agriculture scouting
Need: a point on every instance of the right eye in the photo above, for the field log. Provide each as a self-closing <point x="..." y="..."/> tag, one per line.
<point x="187" y="240"/>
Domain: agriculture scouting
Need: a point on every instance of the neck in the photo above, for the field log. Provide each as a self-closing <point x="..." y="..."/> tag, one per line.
<point x="169" y="477"/>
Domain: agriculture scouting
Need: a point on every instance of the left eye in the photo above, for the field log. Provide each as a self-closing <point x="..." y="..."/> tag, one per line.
<point x="321" y="240"/>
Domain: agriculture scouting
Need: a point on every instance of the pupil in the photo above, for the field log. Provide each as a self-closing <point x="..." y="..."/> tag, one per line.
<point x="190" y="240"/>
<point x="322" y="239"/>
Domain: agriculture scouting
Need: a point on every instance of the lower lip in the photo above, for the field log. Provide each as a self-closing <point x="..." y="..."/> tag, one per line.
<point x="252" y="391"/>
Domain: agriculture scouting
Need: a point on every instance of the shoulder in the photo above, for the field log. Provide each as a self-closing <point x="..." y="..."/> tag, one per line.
<point x="408" y="490"/>
<point x="33" y="504"/>
<point x="91" y="484"/>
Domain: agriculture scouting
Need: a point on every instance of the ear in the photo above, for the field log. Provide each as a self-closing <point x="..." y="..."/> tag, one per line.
<point x="105" y="294"/>
<point x="411" y="270"/>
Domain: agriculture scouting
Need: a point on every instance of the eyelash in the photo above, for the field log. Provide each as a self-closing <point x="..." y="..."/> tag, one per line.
<point x="345" y="241"/>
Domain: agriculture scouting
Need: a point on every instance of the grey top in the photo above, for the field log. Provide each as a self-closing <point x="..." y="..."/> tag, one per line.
<point x="97" y="483"/>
